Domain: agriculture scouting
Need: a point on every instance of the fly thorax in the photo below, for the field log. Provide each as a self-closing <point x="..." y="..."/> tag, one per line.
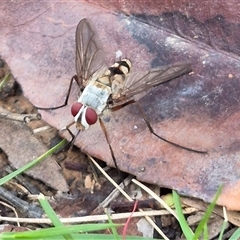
<point x="95" y="95"/>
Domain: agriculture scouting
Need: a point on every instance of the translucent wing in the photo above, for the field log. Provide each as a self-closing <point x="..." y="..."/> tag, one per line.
<point x="89" y="53"/>
<point x="138" y="82"/>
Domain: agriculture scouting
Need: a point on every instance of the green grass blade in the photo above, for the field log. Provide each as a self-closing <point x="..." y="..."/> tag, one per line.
<point x="182" y="221"/>
<point x="51" y="214"/>
<point x="109" y="237"/>
<point x="32" y="163"/>
<point x="207" y="215"/>
<point x="224" y="225"/>
<point x="57" y="231"/>
<point x="91" y="236"/>
<point x="114" y="231"/>
<point x="236" y="235"/>
<point x="49" y="211"/>
<point x="205" y="232"/>
<point x="5" y="79"/>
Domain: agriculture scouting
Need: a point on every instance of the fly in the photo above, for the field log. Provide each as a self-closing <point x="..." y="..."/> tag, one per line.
<point x="98" y="93"/>
<point x="103" y="87"/>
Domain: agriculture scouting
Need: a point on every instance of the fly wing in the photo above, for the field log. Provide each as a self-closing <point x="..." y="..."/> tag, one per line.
<point x="89" y="53"/>
<point x="137" y="82"/>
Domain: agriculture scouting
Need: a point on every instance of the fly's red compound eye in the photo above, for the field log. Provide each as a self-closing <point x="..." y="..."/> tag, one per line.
<point x="75" y="108"/>
<point x="91" y="116"/>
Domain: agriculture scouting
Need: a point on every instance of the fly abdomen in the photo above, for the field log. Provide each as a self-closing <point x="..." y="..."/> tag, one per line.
<point x="118" y="72"/>
<point x="121" y="67"/>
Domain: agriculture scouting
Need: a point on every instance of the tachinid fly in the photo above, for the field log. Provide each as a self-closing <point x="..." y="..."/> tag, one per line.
<point x="104" y="87"/>
<point x="116" y="84"/>
<point x="98" y="92"/>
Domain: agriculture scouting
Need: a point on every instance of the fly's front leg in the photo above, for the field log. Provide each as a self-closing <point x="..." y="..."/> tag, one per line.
<point x="67" y="97"/>
<point x="67" y="128"/>
<point x="164" y="139"/>
<point x="73" y="137"/>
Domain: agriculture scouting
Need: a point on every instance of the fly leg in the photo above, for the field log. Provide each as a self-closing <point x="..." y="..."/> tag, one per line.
<point x="164" y="139"/>
<point x="67" y="96"/>
<point x="73" y="137"/>
<point x="115" y="108"/>
<point x="109" y="145"/>
<point x="70" y="132"/>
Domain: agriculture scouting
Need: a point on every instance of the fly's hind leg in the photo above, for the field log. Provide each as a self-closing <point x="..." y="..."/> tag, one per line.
<point x="109" y="145"/>
<point x="67" y="96"/>
<point x="164" y="139"/>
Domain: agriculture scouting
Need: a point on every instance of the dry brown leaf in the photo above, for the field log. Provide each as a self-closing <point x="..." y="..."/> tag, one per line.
<point x="21" y="147"/>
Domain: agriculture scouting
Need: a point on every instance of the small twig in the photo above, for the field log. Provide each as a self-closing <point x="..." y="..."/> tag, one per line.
<point x="21" y="117"/>
<point x="112" y="196"/>
<point x="24" y="207"/>
<point x="12" y="208"/>
<point x="128" y="197"/>
<point x="110" y="179"/>
<point x="94" y="218"/>
<point x="41" y="129"/>
<point x="155" y="196"/>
